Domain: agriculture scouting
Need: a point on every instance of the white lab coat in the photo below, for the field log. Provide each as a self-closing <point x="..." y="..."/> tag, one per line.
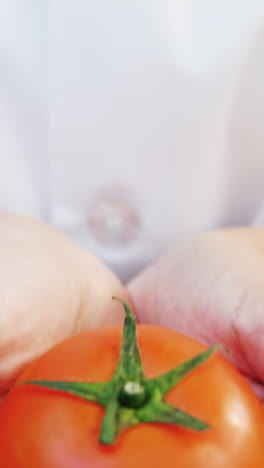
<point x="157" y="104"/>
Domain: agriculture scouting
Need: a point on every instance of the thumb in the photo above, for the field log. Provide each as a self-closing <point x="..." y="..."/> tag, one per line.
<point x="49" y="289"/>
<point x="211" y="288"/>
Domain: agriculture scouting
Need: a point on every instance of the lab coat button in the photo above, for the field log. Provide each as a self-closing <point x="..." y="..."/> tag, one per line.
<point x="114" y="222"/>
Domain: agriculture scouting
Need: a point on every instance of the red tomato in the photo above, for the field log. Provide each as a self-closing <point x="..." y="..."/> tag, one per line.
<point x="46" y="428"/>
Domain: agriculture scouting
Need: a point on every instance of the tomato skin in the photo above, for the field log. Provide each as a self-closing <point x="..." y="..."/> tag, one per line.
<point x="48" y="429"/>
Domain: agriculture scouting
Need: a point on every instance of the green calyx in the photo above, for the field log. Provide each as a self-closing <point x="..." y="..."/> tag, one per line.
<point x="129" y="397"/>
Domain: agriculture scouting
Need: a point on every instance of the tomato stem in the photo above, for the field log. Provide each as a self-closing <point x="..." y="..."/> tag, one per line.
<point x="129" y="397"/>
<point x="133" y="394"/>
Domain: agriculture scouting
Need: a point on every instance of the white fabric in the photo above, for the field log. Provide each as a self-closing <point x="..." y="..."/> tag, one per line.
<point x="163" y="99"/>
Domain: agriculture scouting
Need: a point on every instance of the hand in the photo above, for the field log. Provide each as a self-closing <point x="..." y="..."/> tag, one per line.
<point x="49" y="289"/>
<point x="211" y="288"/>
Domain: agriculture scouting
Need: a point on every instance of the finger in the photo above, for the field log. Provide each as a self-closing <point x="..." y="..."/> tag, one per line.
<point x="49" y="289"/>
<point x="211" y="288"/>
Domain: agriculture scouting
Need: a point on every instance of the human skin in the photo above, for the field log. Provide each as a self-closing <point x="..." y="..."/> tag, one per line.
<point x="209" y="287"/>
<point x="50" y="289"/>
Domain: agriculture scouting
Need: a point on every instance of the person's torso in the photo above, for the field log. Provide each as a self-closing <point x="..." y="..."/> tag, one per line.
<point x="129" y="127"/>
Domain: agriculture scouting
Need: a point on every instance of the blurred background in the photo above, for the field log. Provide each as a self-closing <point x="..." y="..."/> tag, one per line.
<point x="128" y="125"/>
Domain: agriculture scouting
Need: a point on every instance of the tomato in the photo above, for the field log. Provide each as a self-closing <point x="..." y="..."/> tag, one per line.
<point x="45" y="425"/>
